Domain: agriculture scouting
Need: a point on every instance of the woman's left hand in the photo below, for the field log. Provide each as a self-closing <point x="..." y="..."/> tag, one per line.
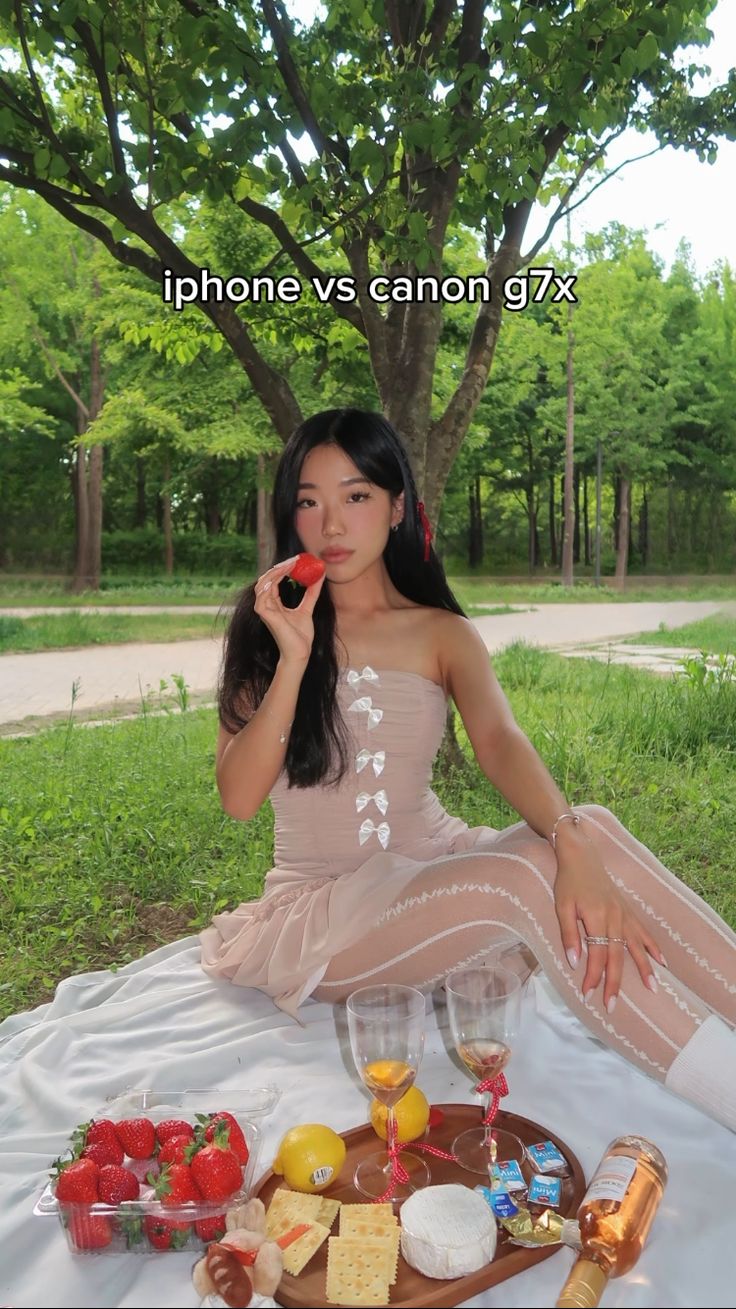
<point x="584" y="893"/>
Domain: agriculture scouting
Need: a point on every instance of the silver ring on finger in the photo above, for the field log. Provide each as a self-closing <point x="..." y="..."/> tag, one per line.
<point x="605" y="940"/>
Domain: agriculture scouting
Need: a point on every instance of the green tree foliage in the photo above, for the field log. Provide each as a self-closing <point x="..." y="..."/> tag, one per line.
<point x="415" y="118"/>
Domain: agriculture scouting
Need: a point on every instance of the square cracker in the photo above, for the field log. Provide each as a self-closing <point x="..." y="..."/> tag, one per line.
<point x="288" y="1208"/>
<point x="328" y="1211"/>
<point x="298" y="1254"/>
<point x="373" y="1233"/>
<point x="356" y="1271"/>
<point x="374" y="1213"/>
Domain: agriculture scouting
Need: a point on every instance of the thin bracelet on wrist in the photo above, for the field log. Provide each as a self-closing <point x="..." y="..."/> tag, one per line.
<point x="573" y="818"/>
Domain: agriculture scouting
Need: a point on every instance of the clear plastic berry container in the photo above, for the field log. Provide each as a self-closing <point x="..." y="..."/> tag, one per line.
<point x="146" y="1225"/>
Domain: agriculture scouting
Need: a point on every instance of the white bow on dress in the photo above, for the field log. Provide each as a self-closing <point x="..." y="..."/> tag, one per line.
<point x="367" y="675"/>
<point x="363" y="798"/>
<point x="368" y="827"/>
<point x="364" y="757"/>
<point x="365" y="704"/>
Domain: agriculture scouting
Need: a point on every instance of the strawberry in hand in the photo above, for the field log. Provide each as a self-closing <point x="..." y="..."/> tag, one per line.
<point x="307" y="570"/>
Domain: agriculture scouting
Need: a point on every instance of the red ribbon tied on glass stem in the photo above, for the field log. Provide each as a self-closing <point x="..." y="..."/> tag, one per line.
<point x="427" y="529"/>
<point x="497" y="1086"/>
<point x="398" y="1171"/>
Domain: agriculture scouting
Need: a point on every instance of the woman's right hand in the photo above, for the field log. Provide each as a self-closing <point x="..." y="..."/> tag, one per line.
<point x="291" y="629"/>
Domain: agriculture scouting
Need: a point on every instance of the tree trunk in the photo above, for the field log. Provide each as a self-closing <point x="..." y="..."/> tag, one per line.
<point x="81" y="516"/>
<point x="568" y="511"/>
<point x="576" y="519"/>
<point x="531" y="515"/>
<point x="644" y="529"/>
<point x="166" y="517"/>
<point x="140" y="492"/>
<point x="211" y="497"/>
<point x="266" y="536"/>
<point x="624" y="515"/>
<point x="671" y="529"/>
<point x="450" y="755"/>
<point x="475" y="538"/>
<point x="552" y="523"/>
<point x="94" y="539"/>
<point x="537" y="542"/>
<point x="88" y="484"/>
<point x="586" y="522"/>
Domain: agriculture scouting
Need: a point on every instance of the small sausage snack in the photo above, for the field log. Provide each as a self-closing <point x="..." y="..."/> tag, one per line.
<point x="230" y="1279"/>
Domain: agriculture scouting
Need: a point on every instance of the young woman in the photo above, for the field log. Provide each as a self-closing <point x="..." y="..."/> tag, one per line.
<point x="335" y="707"/>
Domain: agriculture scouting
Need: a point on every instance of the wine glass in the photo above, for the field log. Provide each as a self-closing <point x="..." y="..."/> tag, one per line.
<point x="484" y="1006"/>
<point x="386" y="1026"/>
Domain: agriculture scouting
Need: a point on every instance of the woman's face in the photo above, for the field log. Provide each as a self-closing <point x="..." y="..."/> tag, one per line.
<point x="340" y="509"/>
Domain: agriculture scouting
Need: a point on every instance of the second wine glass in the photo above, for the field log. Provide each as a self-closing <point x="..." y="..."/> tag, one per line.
<point x="386" y="1026"/>
<point x="483" y="1007"/>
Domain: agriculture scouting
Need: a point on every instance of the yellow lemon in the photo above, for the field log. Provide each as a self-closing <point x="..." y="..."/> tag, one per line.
<point x="412" y="1115"/>
<point x="310" y="1157"/>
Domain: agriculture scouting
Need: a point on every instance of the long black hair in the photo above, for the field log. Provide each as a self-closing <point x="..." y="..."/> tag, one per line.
<point x="251" y="653"/>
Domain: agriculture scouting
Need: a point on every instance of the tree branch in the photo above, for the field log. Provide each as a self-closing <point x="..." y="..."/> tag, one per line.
<point x="323" y="144"/>
<point x="111" y="118"/>
<point x="39" y="337"/>
<point x="564" y="208"/>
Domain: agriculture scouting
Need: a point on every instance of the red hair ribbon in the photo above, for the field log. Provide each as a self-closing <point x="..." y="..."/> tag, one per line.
<point x="427" y="530"/>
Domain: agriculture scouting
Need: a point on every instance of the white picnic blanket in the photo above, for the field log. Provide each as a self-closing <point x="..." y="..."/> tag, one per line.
<point x="161" y="1023"/>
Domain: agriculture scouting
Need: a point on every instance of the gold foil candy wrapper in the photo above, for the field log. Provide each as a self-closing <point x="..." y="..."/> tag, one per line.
<point x="548" y="1228"/>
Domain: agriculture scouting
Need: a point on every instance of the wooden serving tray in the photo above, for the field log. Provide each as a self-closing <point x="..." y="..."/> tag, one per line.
<point x="412" y="1289"/>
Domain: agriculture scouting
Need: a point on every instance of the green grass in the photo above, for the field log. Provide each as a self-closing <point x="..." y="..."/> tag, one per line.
<point x="112" y="839"/>
<point x="478" y="596"/>
<point x="716" y="635"/>
<point x="61" y="631"/>
<point x="486" y="590"/>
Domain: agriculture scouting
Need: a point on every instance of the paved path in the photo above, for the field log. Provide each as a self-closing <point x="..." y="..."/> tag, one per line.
<point x="113" y="679"/>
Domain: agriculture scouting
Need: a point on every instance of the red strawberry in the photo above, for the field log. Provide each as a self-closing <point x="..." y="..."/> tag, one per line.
<point x="97" y="1140"/>
<point x="175" y="1185"/>
<point x="77" y="1182"/>
<point x="104" y="1152"/>
<point x="307" y="570"/>
<point x="137" y="1137"/>
<point x="88" y="1232"/>
<point x="173" y="1127"/>
<point x="100" y="1129"/>
<point x="436" y="1116"/>
<point x="216" y="1171"/>
<point x="210" y="1229"/>
<point x="165" y="1234"/>
<point x="117" y="1184"/>
<point x="173" y="1150"/>
<point x="236" y="1141"/>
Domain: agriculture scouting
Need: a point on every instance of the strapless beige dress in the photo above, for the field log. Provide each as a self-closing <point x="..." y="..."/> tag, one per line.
<point x="344" y="854"/>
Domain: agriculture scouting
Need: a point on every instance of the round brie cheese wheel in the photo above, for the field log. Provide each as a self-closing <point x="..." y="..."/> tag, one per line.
<point x="447" y="1231"/>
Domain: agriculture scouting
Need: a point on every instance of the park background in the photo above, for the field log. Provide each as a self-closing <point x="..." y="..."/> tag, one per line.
<point x="137" y="446"/>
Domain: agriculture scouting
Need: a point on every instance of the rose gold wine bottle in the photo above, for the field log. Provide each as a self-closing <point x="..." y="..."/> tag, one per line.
<point x="615" y="1217"/>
